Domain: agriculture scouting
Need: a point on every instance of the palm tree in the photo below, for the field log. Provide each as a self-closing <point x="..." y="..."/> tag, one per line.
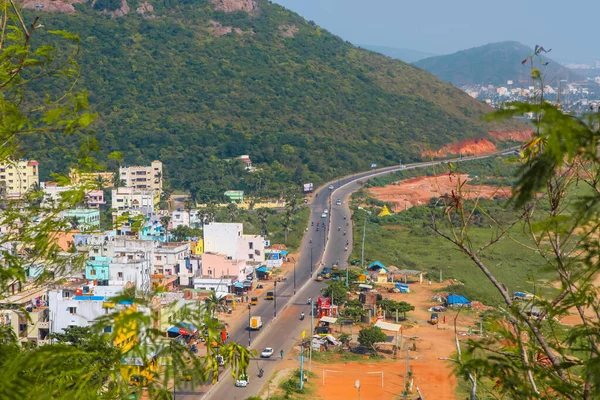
<point x="238" y="357"/>
<point x="189" y="204"/>
<point x="164" y="221"/>
<point x="232" y="211"/>
<point x="213" y="304"/>
<point x="286" y="224"/>
<point x="263" y="215"/>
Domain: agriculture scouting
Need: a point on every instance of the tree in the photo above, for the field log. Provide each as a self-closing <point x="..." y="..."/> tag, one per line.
<point x="391" y="306"/>
<point x="232" y="211"/>
<point x="337" y="291"/>
<point x="367" y="337"/>
<point x="345" y="338"/>
<point x="189" y="204"/>
<point x="263" y="215"/>
<point x="164" y="221"/>
<point x="556" y="201"/>
<point x="238" y="357"/>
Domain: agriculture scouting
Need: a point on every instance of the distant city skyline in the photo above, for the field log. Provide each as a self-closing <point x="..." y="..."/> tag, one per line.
<point x="444" y="27"/>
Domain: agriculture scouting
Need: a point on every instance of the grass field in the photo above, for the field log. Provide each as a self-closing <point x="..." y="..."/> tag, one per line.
<point x="407" y="242"/>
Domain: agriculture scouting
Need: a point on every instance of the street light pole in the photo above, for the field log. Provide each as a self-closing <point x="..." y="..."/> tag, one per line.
<point x="249" y="327"/>
<point x="274" y="299"/>
<point x="294" y="276"/>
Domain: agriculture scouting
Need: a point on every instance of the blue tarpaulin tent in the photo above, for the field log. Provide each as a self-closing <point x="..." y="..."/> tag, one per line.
<point x="376" y="265"/>
<point x="456" y="300"/>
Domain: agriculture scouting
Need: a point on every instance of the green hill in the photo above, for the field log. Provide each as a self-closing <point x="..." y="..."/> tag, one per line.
<point x="193" y="86"/>
<point x="494" y="63"/>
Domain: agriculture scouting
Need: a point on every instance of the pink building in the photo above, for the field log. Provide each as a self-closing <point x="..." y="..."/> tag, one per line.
<point x="95" y="198"/>
<point x="219" y="265"/>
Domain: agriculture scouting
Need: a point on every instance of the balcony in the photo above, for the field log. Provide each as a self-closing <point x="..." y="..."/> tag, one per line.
<point x="43" y="324"/>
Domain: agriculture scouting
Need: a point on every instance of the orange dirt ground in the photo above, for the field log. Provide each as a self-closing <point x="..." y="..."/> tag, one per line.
<point x="432" y="376"/>
<point x="418" y="191"/>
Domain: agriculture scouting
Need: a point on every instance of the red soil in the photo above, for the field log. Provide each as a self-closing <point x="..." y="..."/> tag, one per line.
<point x="418" y="191"/>
<point x="466" y="147"/>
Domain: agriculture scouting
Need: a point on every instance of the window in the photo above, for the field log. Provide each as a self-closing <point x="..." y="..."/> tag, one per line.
<point x="120" y="275"/>
<point x="72" y="310"/>
<point x="66" y="294"/>
<point x="95" y="251"/>
<point x="250" y="245"/>
<point x="251" y="256"/>
<point x="93" y="272"/>
<point x="107" y="329"/>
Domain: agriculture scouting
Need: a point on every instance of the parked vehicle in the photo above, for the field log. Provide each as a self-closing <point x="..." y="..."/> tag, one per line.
<point x="336" y="265"/>
<point x="254" y="301"/>
<point x="319" y="277"/>
<point x="255" y="323"/>
<point x="324" y="215"/>
<point x="326" y="272"/>
<point x="433" y="319"/>
<point x="270" y="295"/>
<point x="267" y="352"/>
<point x="220" y="360"/>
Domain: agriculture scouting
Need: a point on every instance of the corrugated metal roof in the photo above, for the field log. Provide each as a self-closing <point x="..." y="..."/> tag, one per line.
<point x="329" y="320"/>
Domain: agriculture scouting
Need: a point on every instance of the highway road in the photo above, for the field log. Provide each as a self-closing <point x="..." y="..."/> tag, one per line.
<point x="281" y="318"/>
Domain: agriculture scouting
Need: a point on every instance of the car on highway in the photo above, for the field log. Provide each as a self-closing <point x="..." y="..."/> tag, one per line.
<point x="331" y="187"/>
<point x="324" y="215"/>
<point x="338" y="202"/>
<point x="267" y="352"/>
<point x="242" y="381"/>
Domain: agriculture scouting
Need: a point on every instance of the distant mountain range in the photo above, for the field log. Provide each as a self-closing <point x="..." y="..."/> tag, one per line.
<point x="406" y="55"/>
<point x="494" y="63"/>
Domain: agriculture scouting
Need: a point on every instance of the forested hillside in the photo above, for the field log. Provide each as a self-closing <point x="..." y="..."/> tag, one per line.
<point x="195" y="83"/>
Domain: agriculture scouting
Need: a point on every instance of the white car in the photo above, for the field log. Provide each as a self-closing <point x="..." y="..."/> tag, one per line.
<point x="338" y="202"/>
<point x="330" y="187"/>
<point x="324" y="215"/>
<point x="242" y="381"/>
<point x="326" y="211"/>
<point x="267" y="352"/>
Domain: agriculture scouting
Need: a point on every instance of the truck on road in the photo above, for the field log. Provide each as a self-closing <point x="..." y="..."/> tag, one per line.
<point x="255" y="323"/>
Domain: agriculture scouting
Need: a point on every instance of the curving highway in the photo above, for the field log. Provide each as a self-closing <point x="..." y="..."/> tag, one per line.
<point x="283" y="330"/>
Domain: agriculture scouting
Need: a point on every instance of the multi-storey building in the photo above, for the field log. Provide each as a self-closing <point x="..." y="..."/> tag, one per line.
<point x="229" y="239"/>
<point x="133" y="201"/>
<point x="142" y="177"/>
<point x="17" y="177"/>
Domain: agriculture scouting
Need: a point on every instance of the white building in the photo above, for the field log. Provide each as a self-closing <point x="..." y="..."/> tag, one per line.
<point x="229" y="239"/>
<point x="180" y="218"/>
<point x="132" y="200"/>
<point x="144" y="178"/>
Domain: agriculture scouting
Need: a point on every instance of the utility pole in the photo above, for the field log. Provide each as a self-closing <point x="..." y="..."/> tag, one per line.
<point x="294" y="276"/>
<point x="274" y="299"/>
<point x="311" y="263"/>
<point x="440" y="275"/>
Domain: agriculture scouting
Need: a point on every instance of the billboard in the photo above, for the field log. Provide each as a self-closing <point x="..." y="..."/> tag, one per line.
<point x="308" y="187"/>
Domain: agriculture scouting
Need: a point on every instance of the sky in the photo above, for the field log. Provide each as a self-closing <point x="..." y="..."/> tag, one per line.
<point x="445" y="26"/>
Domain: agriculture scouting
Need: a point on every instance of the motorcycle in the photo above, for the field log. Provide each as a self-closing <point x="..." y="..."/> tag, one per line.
<point x="312" y="223"/>
<point x="259" y="286"/>
<point x="346" y="248"/>
<point x="261" y="372"/>
<point x="344" y="233"/>
<point x="309" y="301"/>
<point x="310" y="240"/>
<point x="302" y="317"/>
<point x="339" y="228"/>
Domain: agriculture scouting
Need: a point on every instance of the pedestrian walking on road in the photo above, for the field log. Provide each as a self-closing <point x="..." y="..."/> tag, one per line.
<point x="281" y="354"/>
